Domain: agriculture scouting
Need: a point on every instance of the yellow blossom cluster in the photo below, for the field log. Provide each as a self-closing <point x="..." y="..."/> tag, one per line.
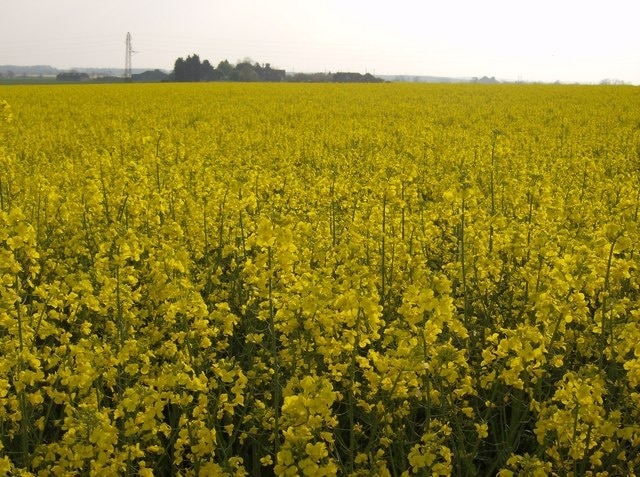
<point x="285" y="279"/>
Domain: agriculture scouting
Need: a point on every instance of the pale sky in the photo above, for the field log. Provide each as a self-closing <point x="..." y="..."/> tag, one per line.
<point x="531" y="40"/>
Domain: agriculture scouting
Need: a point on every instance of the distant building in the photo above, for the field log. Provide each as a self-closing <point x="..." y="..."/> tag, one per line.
<point x="485" y="80"/>
<point x="342" y="77"/>
<point x="72" y="76"/>
<point x="150" y="76"/>
<point x="269" y="74"/>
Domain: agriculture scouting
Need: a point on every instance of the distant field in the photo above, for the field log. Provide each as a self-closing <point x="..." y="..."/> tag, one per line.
<point x="259" y="279"/>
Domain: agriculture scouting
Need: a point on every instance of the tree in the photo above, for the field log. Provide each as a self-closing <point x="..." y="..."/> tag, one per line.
<point x="207" y="72"/>
<point x="247" y="72"/>
<point x="225" y="70"/>
<point x="192" y="67"/>
<point x="179" y="70"/>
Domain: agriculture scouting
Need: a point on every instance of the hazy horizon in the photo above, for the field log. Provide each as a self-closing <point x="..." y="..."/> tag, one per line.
<point x="545" y="41"/>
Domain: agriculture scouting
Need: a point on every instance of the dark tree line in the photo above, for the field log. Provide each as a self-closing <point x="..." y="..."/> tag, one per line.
<point x="192" y="69"/>
<point x="340" y="77"/>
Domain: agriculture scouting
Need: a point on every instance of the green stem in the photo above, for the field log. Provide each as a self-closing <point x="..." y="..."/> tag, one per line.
<point x="402" y="216"/>
<point x="464" y="268"/>
<point x="19" y="316"/>
<point x="603" y="338"/>
<point x="575" y="431"/>
<point x="351" y="397"/>
<point x="205" y="230"/>
<point x="24" y="421"/>
<point x="119" y="319"/>
<point x="492" y="186"/>
<point x="242" y="237"/>
<point x="105" y="200"/>
<point x="274" y="353"/>
<point x="383" y="264"/>
<point x="426" y="397"/>
<point x="332" y="215"/>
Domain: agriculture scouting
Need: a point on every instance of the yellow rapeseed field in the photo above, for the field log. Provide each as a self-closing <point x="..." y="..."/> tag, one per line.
<point x="253" y="279"/>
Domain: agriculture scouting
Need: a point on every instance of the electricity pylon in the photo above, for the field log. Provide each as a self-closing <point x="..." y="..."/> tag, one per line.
<point x="127" y="61"/>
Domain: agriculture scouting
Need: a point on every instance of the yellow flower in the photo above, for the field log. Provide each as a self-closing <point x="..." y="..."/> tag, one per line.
<point x="482" y="430"/>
